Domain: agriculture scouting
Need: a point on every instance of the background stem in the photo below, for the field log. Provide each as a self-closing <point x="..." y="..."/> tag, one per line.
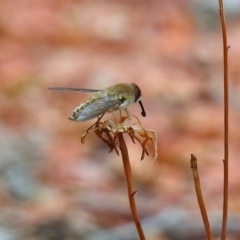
<point x="226" y="141"/>
<point x="200" y="197"/>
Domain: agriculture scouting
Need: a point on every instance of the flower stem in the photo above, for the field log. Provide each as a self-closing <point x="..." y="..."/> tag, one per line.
<point x="131" y="191"/>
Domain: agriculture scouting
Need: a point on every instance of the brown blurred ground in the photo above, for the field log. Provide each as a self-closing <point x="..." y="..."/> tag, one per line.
<point x="52" y="186"/>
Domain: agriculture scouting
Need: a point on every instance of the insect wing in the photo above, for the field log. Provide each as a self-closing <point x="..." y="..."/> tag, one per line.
<point x="97" y="106"/>
<point x="73" y="89"/>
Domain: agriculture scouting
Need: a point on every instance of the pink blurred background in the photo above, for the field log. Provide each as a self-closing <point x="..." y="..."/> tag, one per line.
<point x="52" y="186"/>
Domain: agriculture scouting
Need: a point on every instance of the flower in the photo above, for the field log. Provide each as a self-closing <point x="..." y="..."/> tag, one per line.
<point x="108" y="132"/>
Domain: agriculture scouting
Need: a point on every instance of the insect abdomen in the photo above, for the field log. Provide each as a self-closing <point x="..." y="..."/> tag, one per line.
<point x="78" y="112"/>
<point x="76" y="115"/>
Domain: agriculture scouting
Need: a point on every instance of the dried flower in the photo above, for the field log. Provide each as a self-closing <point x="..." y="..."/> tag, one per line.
<point x="108" y="131"/>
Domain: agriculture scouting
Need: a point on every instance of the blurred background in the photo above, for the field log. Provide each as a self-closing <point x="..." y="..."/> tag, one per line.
<point x="52" y="186"/>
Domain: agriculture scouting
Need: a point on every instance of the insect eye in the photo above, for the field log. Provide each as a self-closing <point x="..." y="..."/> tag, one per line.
<point x="137" y="92"/>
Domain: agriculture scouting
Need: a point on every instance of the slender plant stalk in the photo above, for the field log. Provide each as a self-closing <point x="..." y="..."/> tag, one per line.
<point x="226" y="142"/>
<point x="200" y="197"/>
<point x="131" y="192"/>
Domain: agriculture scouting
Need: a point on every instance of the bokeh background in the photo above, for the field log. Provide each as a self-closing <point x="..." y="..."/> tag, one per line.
<point x="52" y="186"/>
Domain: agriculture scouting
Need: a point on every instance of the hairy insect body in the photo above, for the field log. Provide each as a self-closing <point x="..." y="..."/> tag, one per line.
<point x="110" y="99"/>
<point x="113" y="98"/>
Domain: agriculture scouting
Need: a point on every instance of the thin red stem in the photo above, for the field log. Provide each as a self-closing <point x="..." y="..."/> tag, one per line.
<point x="226" y="141"/>
<point x="200" y="197"/>
<point x="131" y="191"/>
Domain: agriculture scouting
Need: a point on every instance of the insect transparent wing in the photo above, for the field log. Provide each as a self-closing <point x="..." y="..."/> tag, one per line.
<point x="73" y="89"/>
<point x="97" y="107"/>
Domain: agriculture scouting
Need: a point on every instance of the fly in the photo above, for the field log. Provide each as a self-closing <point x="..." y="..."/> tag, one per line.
<point x="110" y="99"/>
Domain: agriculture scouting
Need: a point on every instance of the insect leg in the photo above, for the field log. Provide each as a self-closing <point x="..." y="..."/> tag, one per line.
<point x="95" y="125"/>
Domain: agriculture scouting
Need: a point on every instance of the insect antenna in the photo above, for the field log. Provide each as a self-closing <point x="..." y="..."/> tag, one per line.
<point x="143" y="113"/>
